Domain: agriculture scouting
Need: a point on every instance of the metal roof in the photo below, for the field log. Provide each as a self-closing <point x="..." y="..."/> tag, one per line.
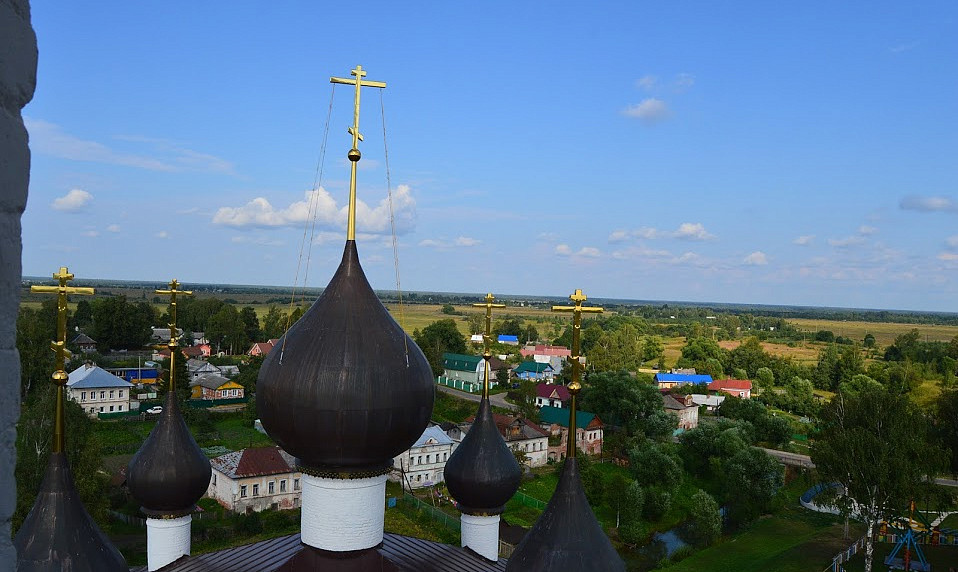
<point x="210" y="381"/>
<point x="460" y="362"/>
<point x="560" y="416"/>
<point x="255" y="461"/>
<point x="85" y="377"/>
<point x="403" y="552"/>
<point x="682" y="378"/>
<point x="433" y="432"/>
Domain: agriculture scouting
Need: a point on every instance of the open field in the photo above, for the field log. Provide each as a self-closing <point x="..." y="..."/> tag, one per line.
<point x="802" y="353"/>
<point x="884" y="332"/>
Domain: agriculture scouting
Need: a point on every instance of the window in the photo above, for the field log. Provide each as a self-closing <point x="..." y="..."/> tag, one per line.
<point x="121" y="394"/>
<point x="101" y="409"/>
<point x="111" y="409"/>
<point x="271" y="487"/>
<point x="282" y="486"/>
<point x="419" y="462"/>
<point x="102" y="395"/>
<point x="111" y="394"/>
<point x="119" y="408"/>
<point x="242" y="491"/>
<point x="214" y="479"/>
<point x="93" y="395"/>
<point x="82" y="396"/>
<point x="428" y="457"/>
<point x="255" y="490"/>
<point x="295" y="484"/>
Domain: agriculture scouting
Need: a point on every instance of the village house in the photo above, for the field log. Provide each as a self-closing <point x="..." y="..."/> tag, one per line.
<point x="198" y="367"/>
<point x="711" y="402"/>
<point x="588" y="435"/>
<point x="463" y="368"/>
<point x="520" y="434"/>
<point x="98" y="391"/>
<point x="734" y="387"/>
<point x="555" y="356"/>
<point x="255" y="479"/>
<point x="508" y="340"/>
<point x="422" y="464"/>
<point x="261" y="348"/>
<point x="534" y="370"/>
<point x="84" y="343"/>
<point x="683" y="407"/>
<point x="670" y="380"/>
<point x="548" y="394"/>
<point x="215" y="386"/>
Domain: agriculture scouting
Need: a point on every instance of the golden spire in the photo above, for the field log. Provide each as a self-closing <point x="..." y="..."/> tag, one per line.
<point x="172" y="344"/>
<point x="578" y="297"/>
<point x="354" y="154"/>
<point x="59" y="347"/>
<point x="487" y="339"/>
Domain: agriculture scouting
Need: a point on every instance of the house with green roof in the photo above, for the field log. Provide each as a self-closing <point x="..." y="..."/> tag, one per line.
<point x="534" y="370"/>
<point x="588" y="436"/>
<point x="462" y="371"/>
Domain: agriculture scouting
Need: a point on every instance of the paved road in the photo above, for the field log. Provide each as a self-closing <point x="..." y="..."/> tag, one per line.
<point x="797" y="460"/>
<point x="499" y="399"/>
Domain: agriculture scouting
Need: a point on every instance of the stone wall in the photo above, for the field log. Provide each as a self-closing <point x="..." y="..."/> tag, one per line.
<point x="18" y="76"/>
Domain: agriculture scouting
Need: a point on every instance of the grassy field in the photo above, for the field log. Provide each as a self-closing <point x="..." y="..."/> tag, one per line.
<point x="884" y="333"/>
<point x="802" y="353"/>
<point x="940" y="557"/>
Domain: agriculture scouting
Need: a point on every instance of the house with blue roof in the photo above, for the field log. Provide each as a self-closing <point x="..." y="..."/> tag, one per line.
<point x="98" y="391"/>
<point x="510" y="340"/>
<point x="670" y="380"/>
<point x="534" y="370"/>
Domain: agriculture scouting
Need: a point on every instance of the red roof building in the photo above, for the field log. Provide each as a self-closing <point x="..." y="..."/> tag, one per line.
<point x="545" y="350"/>
<point x="255" y="479"/>
<point x="551" y="394"/>
<point x="734" y="387"/>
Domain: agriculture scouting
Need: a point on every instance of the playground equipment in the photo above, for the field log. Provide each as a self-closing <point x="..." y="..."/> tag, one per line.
<point x="908" y="540"/>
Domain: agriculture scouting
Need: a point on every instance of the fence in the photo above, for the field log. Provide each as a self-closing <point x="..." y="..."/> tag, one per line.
<point x="846" y="555"/>
<point x="118" y="414"/>
<point x="434" y="513"/>
<point x="459" y="384"/>
<point x="529" y="501"/>
<point x="943" y="539"/>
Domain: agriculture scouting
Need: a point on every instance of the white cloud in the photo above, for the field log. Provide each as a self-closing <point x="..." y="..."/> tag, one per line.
<point x="113" y="228"/>
<point x="649" y="110"/>
<point x="72" y="202"/>
<point x="684" y="81"/>
<point x="584" y="252"/>
<point x="619" y="236"/>
<point x="948" y="256"/>
<point x="757" y="258"/>
<point x="459" y="242"/>
<point x="639" y="252"/>
<point x="646" y="82"/>
<point x="563" y="250"/>
<point x="866" y="230"/>
<point x="928" y="204"/>
<point x="162" y="234"/>
<point x="900" y="48"/>
<point x="589" y="252"/>
<point x="91" y="233"/>
<point x="259" y="213"/>
<point x="686" y="258"/>
<point x="692" y="231"/>
<point x="804" y="240"/>
<point x="952" y="242"/>
<point x="846" y="242"/>
<point x="467" y="241"/>
<point x="646" y="232"/>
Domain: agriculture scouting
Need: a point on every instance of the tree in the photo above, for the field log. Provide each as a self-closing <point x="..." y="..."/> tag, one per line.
<point x="946" y="427"/>
<point x="274" y="323"/>
<point x="630" y="501"/>
<point x="620" y="400"/>
<point x="477" y="323"/>
<point x="440" y="337"/>
<point x="698" y="351"/>
<point x="448" y="309"/>
<point x="752" y="478"/>
<point x="226" y="329"/>
<point x="869" y="341"/>
<point x="651" y="348"/>
<point x="765" y="377"/>
<point x="118" y="324"/>
<point x="874" y="444"/>
<point x="705" y="522"/>
<point x="181" y="375"/>
<point x="35" y="330"/>
<point x="250" y="323"/>
<point x="651" y="465"/>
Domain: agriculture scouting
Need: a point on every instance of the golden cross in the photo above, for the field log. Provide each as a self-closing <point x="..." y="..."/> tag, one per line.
<point x="172" y="292"/>
<point x="487" y="338"/>
<point x="578" y="297"/>
<point x="59" y="347"/>
<point x="359" y="73"/>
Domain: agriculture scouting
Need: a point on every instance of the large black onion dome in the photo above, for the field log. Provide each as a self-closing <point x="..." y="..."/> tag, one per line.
<point x="567" y="535"/>
<point x="482" y="474"/>
<point x="59" y="534"/>
<point x="345" y="390"/>
<point x="169" y="473"/>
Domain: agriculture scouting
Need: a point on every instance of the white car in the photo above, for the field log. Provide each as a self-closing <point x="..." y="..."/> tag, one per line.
<point x="156" y="410"/>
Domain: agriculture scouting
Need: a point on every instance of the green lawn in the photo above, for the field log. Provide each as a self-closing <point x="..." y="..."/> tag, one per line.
<point x="940" y="557"/>
<point x="950" y="522"/>
<point x="795" y="540"/>
<point x="229" y="430"/>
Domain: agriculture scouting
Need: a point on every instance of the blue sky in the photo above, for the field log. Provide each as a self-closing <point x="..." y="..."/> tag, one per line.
<point x="746" y="152"/>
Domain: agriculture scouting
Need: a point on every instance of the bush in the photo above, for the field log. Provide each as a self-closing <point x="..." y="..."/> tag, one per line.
<point x="658" y="501"/>
<point x="705" y="524"/>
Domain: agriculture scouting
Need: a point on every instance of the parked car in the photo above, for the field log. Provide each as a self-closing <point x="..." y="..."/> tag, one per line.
<point x="155" y="410"/>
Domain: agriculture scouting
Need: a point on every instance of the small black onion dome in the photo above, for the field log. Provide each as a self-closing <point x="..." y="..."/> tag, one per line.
<point x="567" y="535"/>
<point x="59" y="534"/>
<point x="482" y="474"/>
<point x="345" y="390"/>
<point x="169" y="473"/>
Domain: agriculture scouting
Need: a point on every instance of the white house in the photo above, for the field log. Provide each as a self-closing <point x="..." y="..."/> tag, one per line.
<point x="520" y="434"/>
<point x="98" y="391"/>
<point x="255" y="479"/>
<point x="422" y="464"/>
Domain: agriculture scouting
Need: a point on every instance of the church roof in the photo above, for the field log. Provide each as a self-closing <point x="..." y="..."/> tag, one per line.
<point x="402" y="553"/>
<point x="350" y="390"/>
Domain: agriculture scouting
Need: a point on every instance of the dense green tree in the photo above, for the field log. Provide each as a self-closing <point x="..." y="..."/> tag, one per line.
<point x="629" y="503"/>
<point x="83" y="316"/>
<point x="180" y="373"/>
<point x="440" y="337"/>
<point x="477" y="323"/>
<point x="250" y="324"/>
<point x="119" y="324"/>
<point x="751" y="479"/>
<point x="508" y="327"/>
<point x="620" y="400"/>
<point x="858" y="384"/>
<point x="274" y="323"/>
<point x="653" y="464"/>
<point x="946" y="427"/>
<point x="705" y="522"/>
<point x="749" y="356"/>
<point x="764" y="377"/>
<point x="652" y="348"/>
<point x="448" y="309"/>
<point x="226" y="330"/>
<point x="658" y="501"/>
<point x="36" y="328"/>
<point x="34" y="440"/>
<point x="869" y="341"/>
<point x="697" y="352"/>
<point x="194" y="313"/>
<point x="875" y="444"/>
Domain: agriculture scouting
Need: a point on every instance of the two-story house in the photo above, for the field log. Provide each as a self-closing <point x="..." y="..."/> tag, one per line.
<point x="683" y="407"/>
<point x="548" y="394"/>
<point x="98" y="391"/>
<point x="422" y="464"/>
<point x="255" y="479"/>
<point x="520" y="434"/>
<point x="588" y="435"/>
<point x="214" y="386"/>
